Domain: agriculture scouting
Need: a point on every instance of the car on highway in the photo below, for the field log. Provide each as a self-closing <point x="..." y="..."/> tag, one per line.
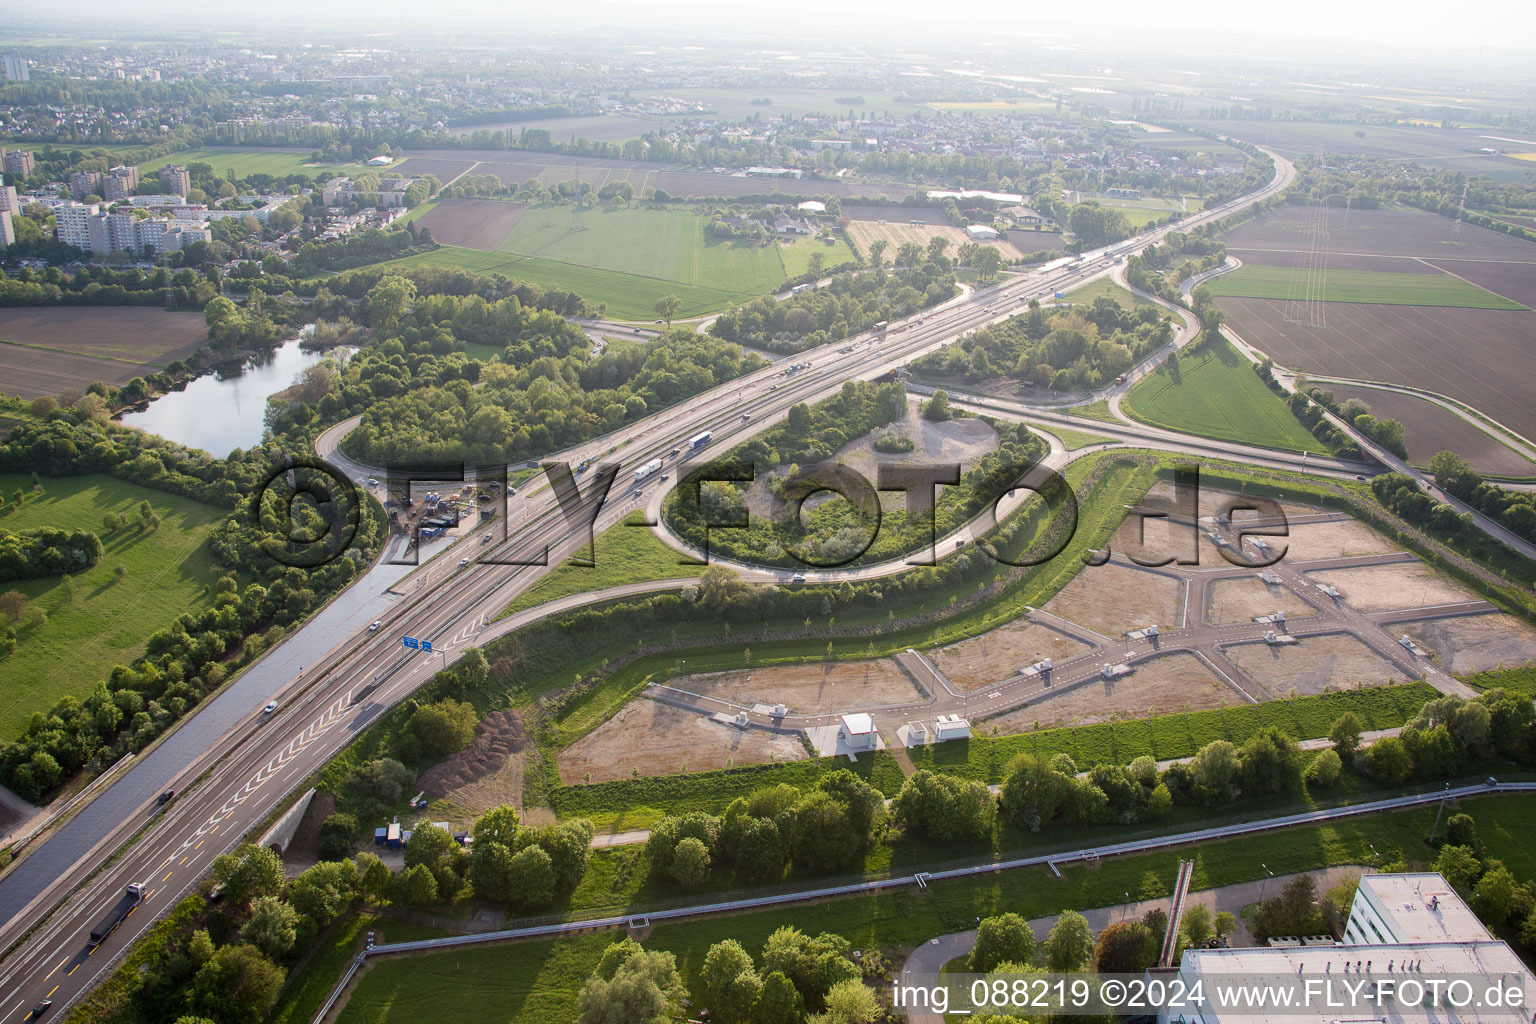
<point x="463" y="562"/>
<point x="271" y="707"/>
<point x="39" y="1010"/>
<point x="797" y="578"/>
<point x="373" y="626"/>
<point x="745" y="416"/>
<point x="165" y="798"/>
<point x="373" y="481"/>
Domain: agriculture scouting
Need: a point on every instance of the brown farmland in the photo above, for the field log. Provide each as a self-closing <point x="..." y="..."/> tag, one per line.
<point x="1430" y="428"/>
<point x="1401" y="233"/>
<point x="443" y="170"/>
<point x="1482" y="357"/>
<point x="45" y="351"/>
<point x="473" y="223"/>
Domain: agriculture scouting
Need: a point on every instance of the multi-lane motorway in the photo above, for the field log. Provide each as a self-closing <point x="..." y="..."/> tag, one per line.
<point x="247" y="770"/>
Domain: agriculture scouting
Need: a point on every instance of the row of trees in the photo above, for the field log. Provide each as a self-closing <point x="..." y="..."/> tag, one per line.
<point x="47" y="551"/>
<point x="825" y="829"/>
<point x="1066" y="349"/>
<point x="1515" y="510"/>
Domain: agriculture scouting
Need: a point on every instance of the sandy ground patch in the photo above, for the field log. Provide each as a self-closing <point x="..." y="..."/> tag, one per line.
<point x="1212" y="501"/>
<point x="999" y="653"/>
<point x="1316" y="664"/>
<point x="1377" y="588"/>
<point x="1475" y="643"/>
<point x="809" y="689"/>
<point x="659" y="739"/>
<point x="486" y="773"/>
<point x="1309" y="542"/>
<point x="1241" y="599"/>
<point x="1172" y="682"/>
<point x="1112" y="599"/>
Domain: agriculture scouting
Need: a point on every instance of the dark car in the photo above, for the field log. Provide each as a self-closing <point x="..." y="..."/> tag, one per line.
<point x="165" y="798"/>
<point x="40" y="1009"/>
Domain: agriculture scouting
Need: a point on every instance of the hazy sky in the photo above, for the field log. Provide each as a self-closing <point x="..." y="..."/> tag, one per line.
<point x="1502" y="24"/>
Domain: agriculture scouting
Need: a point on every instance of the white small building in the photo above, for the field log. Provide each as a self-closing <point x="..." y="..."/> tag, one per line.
<point x="812" y="206"/>
<point x="951" y="727"/>
<point x="981" y="233"/>
<point x="381" y="161"/>
<point x="857" y="731"/>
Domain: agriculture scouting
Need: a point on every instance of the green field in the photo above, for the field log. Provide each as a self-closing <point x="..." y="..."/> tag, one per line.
<point x="277" y="162"/>
<point x="1094" y="411"/>
<point x="169" y="572"/>
<point x="1215" y="393"/>
<point x="1374" y="286"/>
<point x="667" y="244"/>
<point x="537" y="982"/>
<point x="625" y="554"/>
<point x="797" y="254"/>
<point x="628" y="296"/>
<point x="1104" y="287"/>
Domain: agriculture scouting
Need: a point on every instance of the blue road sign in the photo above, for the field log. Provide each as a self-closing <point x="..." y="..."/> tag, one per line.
<point x="410" y="642"/>
<point x="426" y="645"/>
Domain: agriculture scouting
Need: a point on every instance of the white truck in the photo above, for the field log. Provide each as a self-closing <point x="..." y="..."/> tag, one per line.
<point x="647" y="469"/>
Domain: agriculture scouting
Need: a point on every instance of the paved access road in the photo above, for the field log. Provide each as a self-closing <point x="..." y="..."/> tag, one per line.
<point x="248" y="761"/>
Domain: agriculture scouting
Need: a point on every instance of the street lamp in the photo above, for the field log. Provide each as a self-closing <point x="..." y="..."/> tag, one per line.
<point x="1268" y="874"/>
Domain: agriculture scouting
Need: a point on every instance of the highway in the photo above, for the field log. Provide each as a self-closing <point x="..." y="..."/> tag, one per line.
<point x="254" y="762"/>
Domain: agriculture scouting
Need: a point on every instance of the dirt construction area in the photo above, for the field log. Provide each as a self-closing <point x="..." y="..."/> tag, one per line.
<point x="1112" y="599"/>
<point x="1240" y="600"/>
<point x="999" y="653"/>
<point x="809" y="689"/>
<point x="1377" y="588"/>
<point x="473" y="223"/>
<point x="487" y="772"/>
<point x="1475" y="643"/>
<point x="1345" y="538"/>
<point x="659" y="739"/>
<point x="1173" y="682"/>
<point x="1316" y="664"/>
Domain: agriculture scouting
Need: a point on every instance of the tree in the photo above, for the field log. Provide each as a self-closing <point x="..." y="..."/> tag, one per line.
<point x="777" y="1001"/>
<point x="272" y="927"/>
<point x="724" y="964"/>
<point x="945" y="807"/>
<point x="1461" y="830"/>
<point x="387" y="302"/>
<point x="1196" y="925"/>
<point x="1125" y="947"/>
<point x="322" y="891"/>
<point x="439" y="729"/>
<point x="815" y="263"/>
<point x="690" y="863"/>
<point x="415" y="887"/>
<point x="530" y="877"/>
<point x="1459" y="865"/>
<point x="1070" y="945"/>
<point x="238" y="985"/>
<point x="645" y="989"/>
<point x="1213" y="771"/>
<point x="428" y="844"/>
<point x="667" y="307"/>
<point x="1386" y="761"/>
<point x="988" y="262"/>
<point x="877" y="252"/>
<point x="851" y="1002"/>
<point x="937" y="409"/>
<point x="13" y="605"/>
<point x="1346" y="736"/>
<point x="1005" y="938"/>
<point x="1325" y="769"/>
<point x="336" y="836"/>
<point x="1498" y="897"/>
<point x="248" y="874"/>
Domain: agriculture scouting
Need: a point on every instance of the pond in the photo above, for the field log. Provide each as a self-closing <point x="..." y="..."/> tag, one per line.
<point x="225" y="410"/>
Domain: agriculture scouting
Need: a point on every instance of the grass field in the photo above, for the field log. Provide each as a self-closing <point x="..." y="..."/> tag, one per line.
<point x="628" y="297"/>
<point x="169" y="572"/>
<point x="1215" y="393"/>
<point x="1075" y="439"/>
<point x="1104" y="287"/>
<point x="625" y="554"/>
<point x="667" y="244"/>
<point x="1254" y="281"/>
<point x="1094" y="411"/>
<point x="797" y="254"/>
<point x="277" y="162"/>
<point x="537" y="982"/>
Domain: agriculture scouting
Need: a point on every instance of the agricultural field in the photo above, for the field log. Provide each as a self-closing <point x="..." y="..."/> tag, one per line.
<point x="1431" y="428"/>
<point x="796" y="253"/>
<point x="49" y="350"/>
<point x="101" y="619"/>
<point x="1478" y="356"/>
<point x="1260" y="281"/>
<point x="598" y="128"/>
<point x="1215" y="393"/>
<point x="898" y="230"/>
<point x="472" y="223"/>
<point x="1452" y="149"/>
<point x="276" y="162"/>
